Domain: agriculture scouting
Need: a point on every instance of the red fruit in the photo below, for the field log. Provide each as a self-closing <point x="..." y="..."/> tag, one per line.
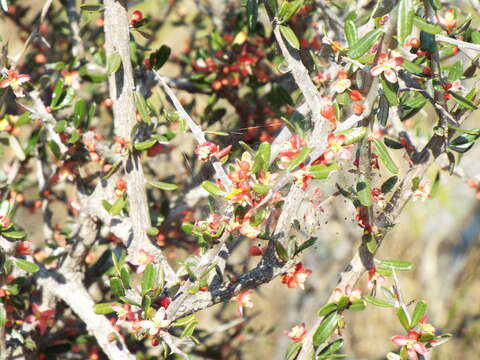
<point x="121" y="184"/>
<point x="358" y="108"/>
<point x="414" y="42"/>
<point x="447" y="85"/>
<point x="256" y="250"/>
<point x="356" y="95"/>
<point x="472" y="183"/>
<point x="107" y="102"/>
<point x="40" y="58"/>
<point x="427" y="70"/>
<point x="447" y="96"/>
<point x="217" y="85"/>
<point x="136" y="17"/>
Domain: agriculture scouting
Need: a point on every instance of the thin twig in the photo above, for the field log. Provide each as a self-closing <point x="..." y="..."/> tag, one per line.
<point x="195" y="129"/>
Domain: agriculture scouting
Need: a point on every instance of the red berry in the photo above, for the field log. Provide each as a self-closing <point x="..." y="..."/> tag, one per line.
<point x="414" y="42"/>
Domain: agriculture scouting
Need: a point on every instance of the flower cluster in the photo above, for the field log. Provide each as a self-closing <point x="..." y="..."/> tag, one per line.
<point x="296" y="277"/>
<point x="15" y="81"/>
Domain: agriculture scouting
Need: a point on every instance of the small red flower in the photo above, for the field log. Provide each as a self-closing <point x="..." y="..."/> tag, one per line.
<point x="14" y="80"/>
<point x="413" y="346"/>
<point x="206" y="150"/>
<point x="297" y="277"/>
<point x="297" y="332"/>
<point x="387" y="64"/>
<point x="356" y="95"/>
<point x="243" y="300"/>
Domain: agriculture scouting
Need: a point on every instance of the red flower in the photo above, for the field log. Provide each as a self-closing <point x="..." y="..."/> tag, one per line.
<point x="14" y="80"/>
<point x="413" y="346"/>
<point x="387" y="64"/>
<point x="352" y="294"/>
<point x="297" y="332"/>
<point x="297" y="277"/>
<point x="42" y="318"/>
<point x="335" y="147"/>
<point x="290" y="149"/>
<point x="243" y="300"/>
<point x="358" y="108"/>
<point x="205" y="150"/>
<point x="356" y="95"/>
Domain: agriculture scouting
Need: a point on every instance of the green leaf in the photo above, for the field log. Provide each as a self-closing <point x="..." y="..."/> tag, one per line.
<point x="364" y="191"/>
<point x="142" y="107"/>
<point x="377" y="302"/>
<point x="252" y="14"/>
<point x="455" y="71"/>
<point x="189" y="329"/>
<point x="148" y="278"/>
<point x="117" y="206"/>
<point x="364" y="44"/>
<point x="426" y="26"/>
<point x="290" y="36"/>
<point x="383" y="110"/>
<point x="300" y="158"/>
<point x="390" y="91"/>
<point x="159" y="57"/>
<point x="145" y="145"/>
<point x="441" y="339"/>
<point x="289" y="9"/>
<point x="332" y="347"/>
<point x="353" y="135"/>
<point x="113" y="63"/>
<point x="327" y="309"/>
<point x="350" y="33"/>
<point x="57" y="93"/>
<point x="322" y="171"/>
<point x="3" y="316"/>
<point x="213" y="188"/>
<point x="406" y="14"/>
<point x="16" y="147"/>
<point x="418" y="312"/>
<point x="385" y="157"/>
<point x="104" y="308"/>
<point x="305" y="245"/>
<point x="281" y="251"/>
<point x="92" y="7"/>
<point x="261" y="160"/>
<point x="53" y="146"/>
<point x="13" y="234"/>
<point x="412" y="67"/>
<point x="116" y="265"/>
<point x="397" y="264"/>
<point x="403" y="317"/>
<point x="152" y="231"/>
<point x="60" y="126"/>
<point x="388" y="185"/>
<point x="343" y="303"/>
<point x="357" y="305"/>
<point x="462" y="101"/>
<point x="116" y="286"/>
<point x="261" y="189"/>
<point x="293" y="350"/>
<point x="27" y="265"/>
<point x="163" y="185"/>
<point x="184" y="321"/>
<point x="125" y="276"/>
<point x="79" y="112"/>
<point x="427" y="42"/>
<point x="463" y="143"/>
<point x="325" y="329"/>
